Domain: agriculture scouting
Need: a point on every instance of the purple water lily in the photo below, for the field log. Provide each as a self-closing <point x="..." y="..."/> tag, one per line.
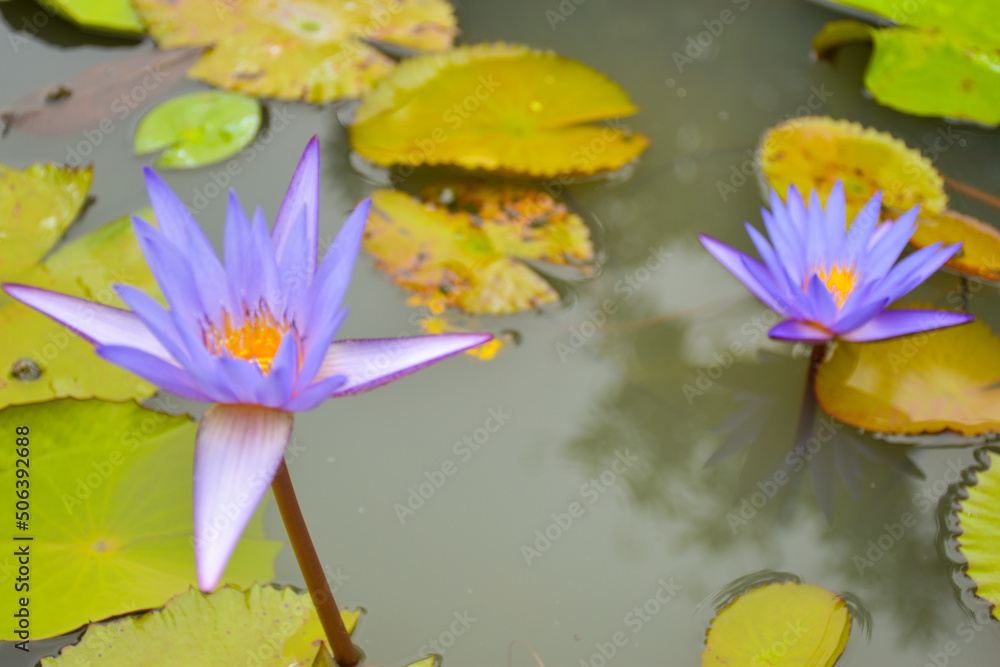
<point x="831" y="281"/>
<point x="254" y="337"/>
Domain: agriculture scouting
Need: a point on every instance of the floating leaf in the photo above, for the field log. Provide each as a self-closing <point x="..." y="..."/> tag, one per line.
<point x="99" y="97"/>
<point x="39" y="358"/>
<point x="788" y="624"/>
<point x="978" y="517"/>
<point x="465" y="254"/>
<point x="941" y="61"/>
<point x="115" y="16"/>
<point x="980" y="253"/>
<point x="926" y="383"/>
<point x="496" y="107"/>
<point x="110" y="513"/>
<point x="198" y="129"/>
<point x="263" y="626"/>
<point x="311" y="51"/>
<point x="814" y="152"/>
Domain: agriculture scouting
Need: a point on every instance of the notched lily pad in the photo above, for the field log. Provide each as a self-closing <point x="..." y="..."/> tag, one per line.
<point x="467" y="253"/>
<point x="939" y="380"/>
<point x="198" y="129"/>
<point x="941" y="61"/>
<point x="263" y="626"/>
<point x="788" y="624"/>
<point x="976" y="520"/>
<point x="39" y="358"/>
<point x="980" y="253"/>
<point x="110" y="514"/>
<point x="496" y="107"/>
<point x="308" y="50"/>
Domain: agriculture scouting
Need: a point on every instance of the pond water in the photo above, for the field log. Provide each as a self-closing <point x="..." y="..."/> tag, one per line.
<point x="596" y="415"/>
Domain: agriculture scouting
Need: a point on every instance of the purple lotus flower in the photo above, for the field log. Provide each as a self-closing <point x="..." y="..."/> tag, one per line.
<point x="833" y="282"/>
<point x="254" y="337"/>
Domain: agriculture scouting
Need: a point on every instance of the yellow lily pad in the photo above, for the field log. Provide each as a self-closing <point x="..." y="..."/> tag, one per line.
<point x="109" y="514"/>
<point x="496" y="107"/>
<point x="940" y="61"/>
<point x="925" y="383"/>
<point x="113" y="16"/>
<point x="39" y="358"/>
<point x="980" y="253"/>
<point x="780" y="624"/>
<point x="814" y="152"/>
<point x="263" y="626"/>
<point x="466" y="253"/>
<point x="308" y="50"/>
<point x="979" y="528"/>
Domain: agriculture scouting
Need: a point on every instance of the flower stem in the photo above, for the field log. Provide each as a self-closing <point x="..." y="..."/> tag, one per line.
<point x="312" y="570"/>
<point x="807" y="414"/>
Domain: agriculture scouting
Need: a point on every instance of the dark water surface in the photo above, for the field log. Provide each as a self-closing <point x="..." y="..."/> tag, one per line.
<point x="607" y="424"/>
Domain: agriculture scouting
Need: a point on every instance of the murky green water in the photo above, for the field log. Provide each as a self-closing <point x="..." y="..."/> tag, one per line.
<point x="596" y="415"/>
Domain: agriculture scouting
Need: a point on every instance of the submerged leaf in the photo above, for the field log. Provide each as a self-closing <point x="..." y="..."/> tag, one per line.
<point x="314" y="51"/>
<point x="788" y="624"/>
<point x="198" y="129"/>
<point x="939" y="380"/>
<point x="115" y="16"/>
<point x="263" y="626"/>
<point x="979" y="528"/>
<point x="466" y="254"/>
<point x="110" y="513"/>
<point x="496" y="107"/>
<point x="39" y="358"/>
<point x="941" y="61"/>
<point x="814" y="152"/>
<point x="101" y="96"/>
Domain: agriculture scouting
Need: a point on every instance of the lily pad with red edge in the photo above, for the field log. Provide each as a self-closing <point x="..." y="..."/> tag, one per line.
<point x="941" y="60"/>
<point x="941" y="380"/>
<point x="307" y="50"/>
<point x="262" y="625"/>
<point x="780" y="624"/>
<point x="976" y="523"/>
<point x="497" y="107"/>
<point x="980" y="253"/>
<point x="468" y="253"/>
<point x="110" y="513"/>
<point x="39" y="358"/>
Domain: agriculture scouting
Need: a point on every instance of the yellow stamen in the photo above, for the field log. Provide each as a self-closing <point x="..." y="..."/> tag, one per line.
<point x="257" y="340"/>
<point x="841" y="281"/>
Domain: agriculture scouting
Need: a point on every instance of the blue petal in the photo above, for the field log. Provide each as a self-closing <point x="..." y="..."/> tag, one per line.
<point x="774" y="264"/>
<point x="797" y="212"/>
<point x="172" y="272"/>
<point x="266" y="267"/>
<point x="915" y="269"/>
<point x="796" y="330"/>
<point x="276" y="388"/>
<point x="735" y="261"/>
<point x="787" y="304"/>
<point x="822" y="306"/>
<point x="788" y="245"/>
<point x="886" y="250"/>
<point x="835" y="213"/>
<point x="302" y="198"/>
<point x="240" y="253"/>
<point x="155" y="317"/>
<point x="315" y="394"/>
<point x="863" y="229"/>
<point x="152" y="369"/>
<point x="855" y="317"/>
<point x="892" y="323"/>
<point x="242" y="377"/>
<point x="317" y="347"/>
<point x="295" y="272"/>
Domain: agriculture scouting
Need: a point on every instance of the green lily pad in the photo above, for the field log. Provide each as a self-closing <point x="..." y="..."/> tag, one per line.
<point x="978" y="527"/>
<point x="109" y="513"/>
<point x="263" y="626"/>
<point x="780" y="624"/>
<point x="198" y="129"/>
<point x="467" y="253"/>
<point x="39" y="358"/>
<point x="308" y="50"/>
<point x="497" y="107"/>
<point x="942" y="60"/>
<point x="114" y="16"/>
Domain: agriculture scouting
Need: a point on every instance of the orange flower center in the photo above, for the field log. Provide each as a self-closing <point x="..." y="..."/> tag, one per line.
<point x="840" y="280"/>
<point x="257" y="340"/>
